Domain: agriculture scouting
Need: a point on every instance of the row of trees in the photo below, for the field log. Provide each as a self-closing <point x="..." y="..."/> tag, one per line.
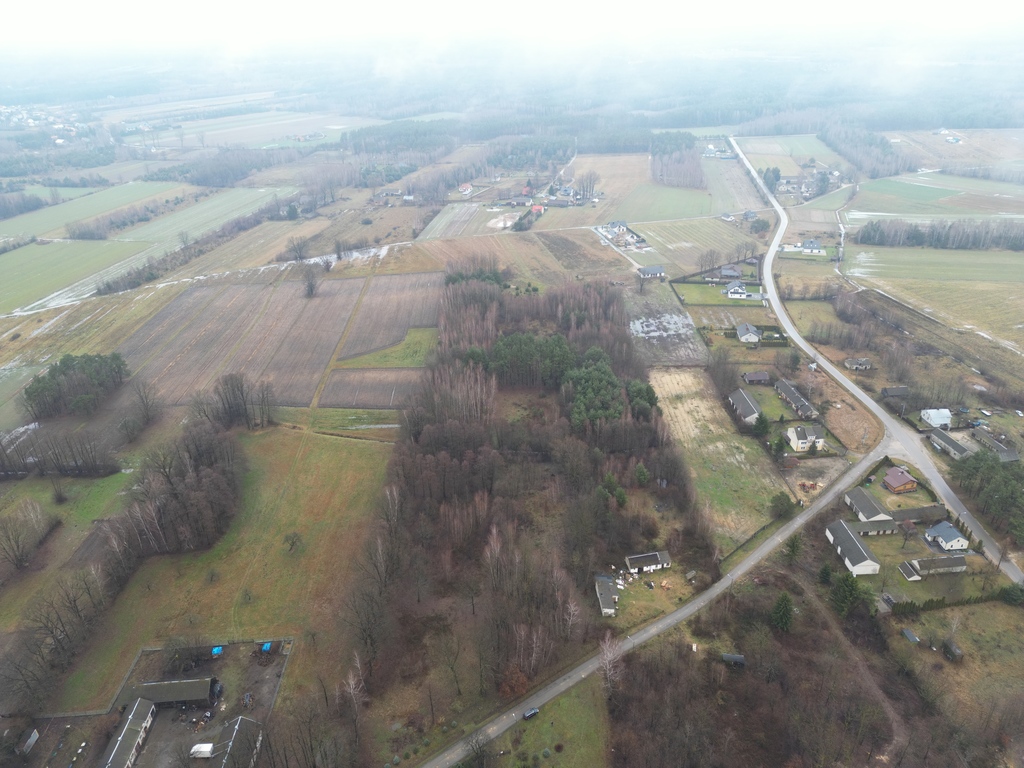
<point x="998" y="486"/>
<point x="186" y="496"/>
<point x="74" y="384"/>
<point x="16" y="203"/>
<point x="22" y="531"/>
<point x="959" y="234"/>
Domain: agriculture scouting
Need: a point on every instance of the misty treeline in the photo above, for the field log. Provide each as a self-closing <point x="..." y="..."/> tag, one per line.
<point x="74" y="384"/>
<point x="185" y="498"/>
<point x="872" y="153"/>
<point x="956" y="234"/>
<point x="189" y="249"/>
<point x="226" y="167"/>
<point x="468" y="489"/>
<point x="29" y="163"/>
<point x="998" y="488"/>
<point x="679" y="169"/>
<point x="16" y="203"/>
<point x="1008" y="173"/>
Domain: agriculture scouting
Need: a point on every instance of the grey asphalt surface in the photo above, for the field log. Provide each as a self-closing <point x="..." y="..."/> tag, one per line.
<point x="899" y="442"/>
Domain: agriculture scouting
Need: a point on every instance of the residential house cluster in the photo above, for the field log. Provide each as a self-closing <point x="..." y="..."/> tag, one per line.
<point x="607" y="586"/>
<point x="875" y="520"/>
<point x="788" y="391"/>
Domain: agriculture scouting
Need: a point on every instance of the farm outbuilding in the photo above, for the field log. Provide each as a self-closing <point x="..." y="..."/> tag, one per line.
<point x="198" y="692"/>
<point x="745" y="407"/>
<point x="238" y="744"/>
<point x="857" y="363"/>
<point x="910" y="636"/>
<point x="757" y="377"/>
<point x="943" y="441"/>
<point x="606" y="595"/>
<point x="900" y="391"/>
<point x="856" y="555"/>
<point x="736" y="660"/>
<point x="130" y="735"/>
<point x="26" y="742"/>
<point x="930" y="566"/>
<point x="789" y="393"/>
<point x="866" y="506"/>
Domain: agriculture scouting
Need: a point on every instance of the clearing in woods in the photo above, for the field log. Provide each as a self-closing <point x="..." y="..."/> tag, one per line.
<point x="249" y="584"/>
<point x="732" y="474"/>
<point x="267" y="331"/>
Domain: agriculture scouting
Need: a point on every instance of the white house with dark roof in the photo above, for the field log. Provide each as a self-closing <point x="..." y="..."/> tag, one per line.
<point x="746" y="408"/>
<point x="748" y="333"/>
<point x="649" y="562"/>
<point x="867" y="507"/>
<point x="649" y="272"/>
<point x="126" y="744"/>
<point x="736" y="290"/>
<point x="947" y="536"/>
<point x="801" y="438"/>
<point x="856" y="555"/>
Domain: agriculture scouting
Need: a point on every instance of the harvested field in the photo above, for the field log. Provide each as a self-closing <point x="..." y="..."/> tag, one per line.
<point x="266" y="331"/>
<point x="730" y="186"/>
<point x="252" y="248"/>
<point x="450" y="222"/>
<point x="392" y="305"/>
<point x="682" y="242"/>
<point x="581" y="252"/>
<point x="371" y="388"/>
<point x="732" y="474"/>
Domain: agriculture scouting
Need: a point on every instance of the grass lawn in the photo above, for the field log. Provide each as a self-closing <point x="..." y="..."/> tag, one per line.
<point x="51" y="220"/>
<point x="954" y="586"/>
<point x="732" y="474"/>
<point x="577" y="720"/>
<point x="804" y="313"/>
<point x="34" y="271"/>
<point x="833" y="201"/>
<point x="652" y="202"/>
<point x="991" y="636"/>
<point x="249" y="584"/>
<point x="697" y="293"/>
<point x="411" y="352"/>
<point x="771" y="404"/>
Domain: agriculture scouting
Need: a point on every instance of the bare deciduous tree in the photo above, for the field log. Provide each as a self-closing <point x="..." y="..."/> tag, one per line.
<point x="297" y="247"/>
<point x="311" y="279"/>
<point x="449" y="648"/>
<point x="610" y="661"/>
<point x="147" y="405"/>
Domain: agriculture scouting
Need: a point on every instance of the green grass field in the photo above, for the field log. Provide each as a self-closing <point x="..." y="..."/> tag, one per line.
<point x="411" y="352"/>
<point x="833" y="201"/>
<point x="248" y="584"/>
<point x="694" y="293"/>
<point x="933" y="264"/>
<point x="51" y="220"/>
<point x="35" y="271"/>
<point x="67" y="193"/>
<point x="788" y="153"/>
<point x="651" y="202"/>
<point x="577" y="720"/>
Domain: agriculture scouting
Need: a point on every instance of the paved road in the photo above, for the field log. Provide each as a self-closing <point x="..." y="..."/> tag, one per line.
<point x="898" y="442"/>
<point x="902" y="441"/>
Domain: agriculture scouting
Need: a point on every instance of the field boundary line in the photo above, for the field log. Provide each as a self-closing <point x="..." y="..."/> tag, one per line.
<point x="156" y="349"/>
<point x="315" y="403"/>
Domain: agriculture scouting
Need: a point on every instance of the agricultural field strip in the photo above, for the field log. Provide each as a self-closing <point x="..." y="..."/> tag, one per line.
<point x="393" y="304"/>
<point x="188" y="354"/>
<point x="162" y="235"/>
<point x="371" y="388"/>
<point x="52" y="219"/>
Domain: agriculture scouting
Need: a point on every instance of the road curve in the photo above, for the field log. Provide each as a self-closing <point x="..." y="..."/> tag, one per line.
<point x="462" y="748"/>
<point x="910" y="444"/>
<point x="898" y="440"/>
